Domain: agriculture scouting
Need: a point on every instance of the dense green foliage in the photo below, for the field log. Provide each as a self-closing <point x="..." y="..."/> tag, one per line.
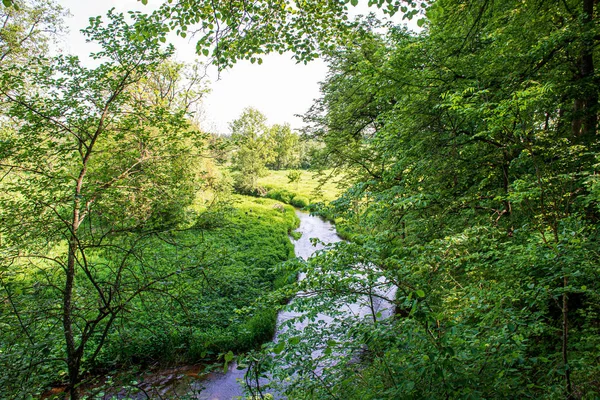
<point x="104" y="260"/>
<point x="242" y="30"/>
<point x="473" y="146"/>
<point x="197" y="316"/>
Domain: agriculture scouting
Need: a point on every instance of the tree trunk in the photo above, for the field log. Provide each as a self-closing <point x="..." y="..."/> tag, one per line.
<point x="73" y="356"/>
<point x="72" y="359"/>
<point x="565" y="338"/>
<point x="586" y="108"/>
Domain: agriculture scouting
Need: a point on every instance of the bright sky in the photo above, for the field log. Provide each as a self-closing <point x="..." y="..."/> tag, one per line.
<point x="279" y="87"/>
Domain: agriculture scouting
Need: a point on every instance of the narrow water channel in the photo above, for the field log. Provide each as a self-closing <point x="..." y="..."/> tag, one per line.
<point x="220" y="386"/>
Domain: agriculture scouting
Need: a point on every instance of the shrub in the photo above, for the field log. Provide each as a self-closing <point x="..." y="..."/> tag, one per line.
<point x="282" y="195"/>
<point x="300" y="202"/>
<point x="294" y="176"/>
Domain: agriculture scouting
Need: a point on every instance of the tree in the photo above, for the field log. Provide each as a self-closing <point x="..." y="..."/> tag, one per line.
<point x="294" y="177"/>
<point x="242" y="30"/>
<point x="175" y="86"/>
<point x="27" y="29"/>
<point x="285" y="145"/>
<point x="254" y="149"/>
<point x="475" y="182"/>
<point x="94" y="161"/>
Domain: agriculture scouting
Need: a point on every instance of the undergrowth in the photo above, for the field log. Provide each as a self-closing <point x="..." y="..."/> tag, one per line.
<point x="206" y="305"/>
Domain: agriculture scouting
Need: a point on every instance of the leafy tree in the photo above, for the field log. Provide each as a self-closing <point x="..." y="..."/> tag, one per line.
<point x="28" y="28"/>
<point x="294" y="177"/>
<point x="351" y="105"/>
<point x="285" y="145"/>
<point x="240" y="30"/>
<point x="309" y="149"/>
<point x="473" y="150"/>
<point x="94" y="161"/>
<point x="254" y="149"/>
<point x="173" y="85"/>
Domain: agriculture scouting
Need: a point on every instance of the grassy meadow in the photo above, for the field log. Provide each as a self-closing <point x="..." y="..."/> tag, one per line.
<point x="308" y="190"/>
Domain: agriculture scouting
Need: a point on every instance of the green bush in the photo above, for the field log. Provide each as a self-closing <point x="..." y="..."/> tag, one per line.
<point x="288" y="197"/>
<point x="283" y="195"/>
<point x="299" y="201"/>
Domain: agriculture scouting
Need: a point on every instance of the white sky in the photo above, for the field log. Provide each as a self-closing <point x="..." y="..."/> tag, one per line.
<point x="279" y="87"/>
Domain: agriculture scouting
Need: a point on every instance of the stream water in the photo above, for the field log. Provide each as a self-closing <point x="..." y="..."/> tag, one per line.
<point x="195" y="383"/>
<point x="220" y="386"/>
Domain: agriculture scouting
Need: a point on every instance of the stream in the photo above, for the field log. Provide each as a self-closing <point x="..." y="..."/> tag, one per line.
<point x="186" y="382"/>
<point x="220" y="386"/>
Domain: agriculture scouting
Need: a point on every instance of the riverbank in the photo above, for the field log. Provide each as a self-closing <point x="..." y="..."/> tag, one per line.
<point x="205" y="311"/>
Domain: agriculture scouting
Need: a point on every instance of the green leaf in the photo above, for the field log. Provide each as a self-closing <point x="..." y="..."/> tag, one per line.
<point x="420" y="293"/>
<point x="414" y="307"/>
<point x="229" y="356"/>
<point x="294" y="341"/>
<point x="279" y="347"/>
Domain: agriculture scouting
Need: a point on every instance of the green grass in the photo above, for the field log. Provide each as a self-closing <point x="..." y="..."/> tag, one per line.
<point x="221" y="312"/>
<point x="308" y="188"/>
<point x="210" y="306"/>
